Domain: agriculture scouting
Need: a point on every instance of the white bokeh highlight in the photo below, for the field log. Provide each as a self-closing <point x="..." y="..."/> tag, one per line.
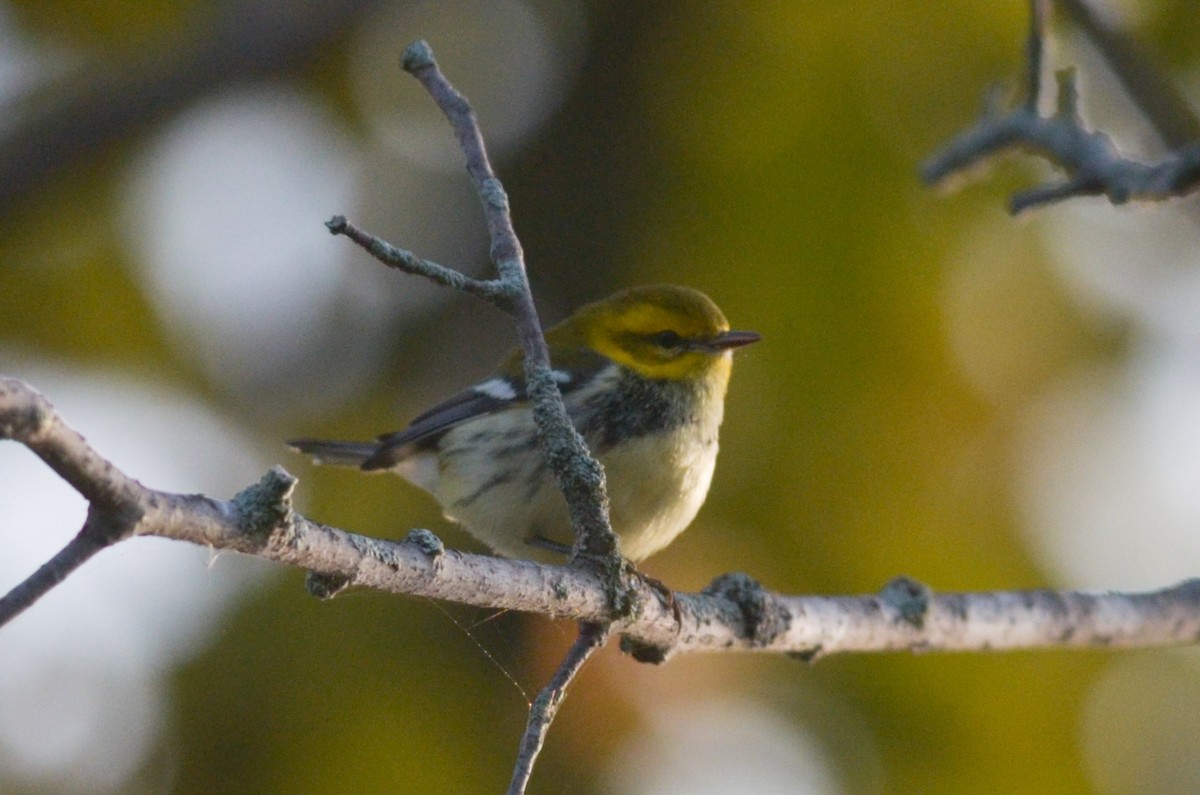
<point x="224" y="211"/>
<point x="1108" y="474"/>
<point x="1138" y="264"/>
<point x="721" y="747"/>
<point x="1107" y="463"/>
<point x="513" y="59"/>
<point x="83" y="671"/>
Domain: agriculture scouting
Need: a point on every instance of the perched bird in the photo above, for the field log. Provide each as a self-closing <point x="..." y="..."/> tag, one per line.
<point x="643" y="376"/>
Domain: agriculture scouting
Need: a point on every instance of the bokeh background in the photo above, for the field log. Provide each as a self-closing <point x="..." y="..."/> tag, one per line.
<point x="943" y="391"/>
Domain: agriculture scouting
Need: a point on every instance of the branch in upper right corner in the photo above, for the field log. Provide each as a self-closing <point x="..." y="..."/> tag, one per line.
<point x="1091" y="162"/>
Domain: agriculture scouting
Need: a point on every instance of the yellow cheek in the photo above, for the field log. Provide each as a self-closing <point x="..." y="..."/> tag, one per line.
<point x="649" y="362"/>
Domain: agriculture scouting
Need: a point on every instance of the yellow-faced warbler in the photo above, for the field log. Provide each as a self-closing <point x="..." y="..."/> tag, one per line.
<point x="643" y="376"/>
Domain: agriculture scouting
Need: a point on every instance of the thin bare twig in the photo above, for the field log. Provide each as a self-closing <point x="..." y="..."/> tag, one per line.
<point x="591" y="638"/>
<point x="78" y="551"/>
<point x="1091" y="160"/>
<point x="491" y="290"/>
<point x="578" y="474"/>
<point x="112" y="514"/>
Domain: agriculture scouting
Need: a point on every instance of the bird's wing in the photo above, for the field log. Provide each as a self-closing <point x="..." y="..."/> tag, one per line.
<point x="487" y="397"/>
<point x="484" y="398"/>
<point x="391" y="448"/>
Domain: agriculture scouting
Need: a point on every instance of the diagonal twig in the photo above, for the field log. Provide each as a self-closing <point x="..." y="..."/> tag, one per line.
<point x="578" y="474"/>
<point x="591" y="638"/>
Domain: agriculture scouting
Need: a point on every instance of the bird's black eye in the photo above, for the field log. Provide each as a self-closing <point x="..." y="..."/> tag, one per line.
<point x="667" y="339"/>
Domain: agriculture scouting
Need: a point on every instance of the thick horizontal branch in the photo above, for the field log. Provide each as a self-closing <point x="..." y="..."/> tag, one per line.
<point x="732" y="614"/>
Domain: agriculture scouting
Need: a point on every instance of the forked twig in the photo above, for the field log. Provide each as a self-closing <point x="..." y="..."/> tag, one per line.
<point x="1091" y="161"/>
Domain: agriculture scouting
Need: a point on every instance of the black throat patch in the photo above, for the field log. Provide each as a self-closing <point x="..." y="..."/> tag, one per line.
<point x="635" y="407"/>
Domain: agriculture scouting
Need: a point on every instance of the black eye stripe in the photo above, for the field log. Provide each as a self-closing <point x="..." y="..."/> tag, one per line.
<point x="667" y="339"/>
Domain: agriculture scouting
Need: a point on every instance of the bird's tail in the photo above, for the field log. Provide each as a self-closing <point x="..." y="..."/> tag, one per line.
<point x="349" y="454"/>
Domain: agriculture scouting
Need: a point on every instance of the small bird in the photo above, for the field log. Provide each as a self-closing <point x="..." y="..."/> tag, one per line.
<point x="643" y="375"/>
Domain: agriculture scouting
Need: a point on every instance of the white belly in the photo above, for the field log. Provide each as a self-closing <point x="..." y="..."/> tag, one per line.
<point x="656" y="483"/>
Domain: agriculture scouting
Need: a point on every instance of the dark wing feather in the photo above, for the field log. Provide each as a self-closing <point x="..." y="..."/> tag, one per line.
<point x="389" y="449"/>
<point x="347" y="454"/>
<point x="489" y="396"/>
<point x="428" y="426"/>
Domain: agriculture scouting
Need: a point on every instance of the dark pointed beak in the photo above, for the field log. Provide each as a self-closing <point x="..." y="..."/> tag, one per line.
<point x="733" y="339"/>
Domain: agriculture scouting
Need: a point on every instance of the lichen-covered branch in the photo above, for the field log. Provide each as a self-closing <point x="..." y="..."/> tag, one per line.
<point x="735" y="613"/>
<point x="491" y="290"/>
<point x="1091" y="161"/>
<point x="578" y="474"/>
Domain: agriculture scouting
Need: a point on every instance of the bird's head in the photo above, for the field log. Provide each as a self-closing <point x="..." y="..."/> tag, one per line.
<point x="659" y="332"/>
